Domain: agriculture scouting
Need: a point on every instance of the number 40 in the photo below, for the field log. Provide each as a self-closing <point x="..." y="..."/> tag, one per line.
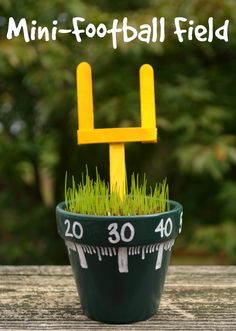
<point x="164" y="229"/>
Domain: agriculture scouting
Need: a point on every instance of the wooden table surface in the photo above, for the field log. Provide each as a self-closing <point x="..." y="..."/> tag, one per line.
<point x="45" y="298"/>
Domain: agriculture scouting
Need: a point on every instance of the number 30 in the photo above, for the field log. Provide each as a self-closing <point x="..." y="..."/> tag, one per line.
<point x="115" y="236"/>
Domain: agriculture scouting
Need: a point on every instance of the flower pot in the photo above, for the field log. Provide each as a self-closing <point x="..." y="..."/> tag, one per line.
<point x="119" y="263"/>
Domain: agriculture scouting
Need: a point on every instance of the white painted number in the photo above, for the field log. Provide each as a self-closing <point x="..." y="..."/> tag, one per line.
<point x="165" y="229"/>
<point x="181" y="222"/>
<point x="113" y="232"/>
<point x="126" y="233"/>
<point x="130" y="232"/>
<point x="67" y="233"/>
<point x="76" y="231"/>
<point x="168" y="227"/>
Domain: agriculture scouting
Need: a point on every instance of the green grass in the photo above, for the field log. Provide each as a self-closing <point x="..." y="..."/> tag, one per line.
<point x="93" y="197"/>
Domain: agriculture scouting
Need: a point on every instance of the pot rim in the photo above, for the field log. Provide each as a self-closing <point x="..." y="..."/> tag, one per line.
<point x="174" y="207"/>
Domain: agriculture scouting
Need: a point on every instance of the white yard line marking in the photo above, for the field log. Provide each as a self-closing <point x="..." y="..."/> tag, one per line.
<point x="82" y="258"/>
<point x="159" y="256"/>
<point x="123" y="260"/>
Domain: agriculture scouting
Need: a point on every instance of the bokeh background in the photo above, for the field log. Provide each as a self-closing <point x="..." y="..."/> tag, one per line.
<point x="196" y="99"/>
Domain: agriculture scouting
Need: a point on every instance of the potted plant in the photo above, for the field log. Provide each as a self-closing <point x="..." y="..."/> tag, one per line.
<point x="119" y="241"/>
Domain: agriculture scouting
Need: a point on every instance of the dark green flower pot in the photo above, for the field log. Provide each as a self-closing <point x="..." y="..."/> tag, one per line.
<point x="120" y="263"/>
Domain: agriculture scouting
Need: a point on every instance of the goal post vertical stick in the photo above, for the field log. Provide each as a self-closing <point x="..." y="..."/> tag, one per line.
<point x="117" y="168"/>
<point x="147" y="97"/>
<point x="85" y="97"/>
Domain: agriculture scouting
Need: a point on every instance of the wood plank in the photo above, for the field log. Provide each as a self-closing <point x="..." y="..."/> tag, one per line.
<point x="45" y="298"/>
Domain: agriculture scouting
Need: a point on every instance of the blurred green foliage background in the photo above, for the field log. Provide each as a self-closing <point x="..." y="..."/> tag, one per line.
<point x="195" y="90"/>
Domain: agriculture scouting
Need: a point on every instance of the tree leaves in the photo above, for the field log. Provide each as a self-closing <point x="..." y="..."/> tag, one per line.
<point x="195" y="91"/>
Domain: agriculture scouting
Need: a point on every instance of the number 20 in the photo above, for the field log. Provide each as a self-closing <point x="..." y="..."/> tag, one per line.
<point x="73" y="232"/>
